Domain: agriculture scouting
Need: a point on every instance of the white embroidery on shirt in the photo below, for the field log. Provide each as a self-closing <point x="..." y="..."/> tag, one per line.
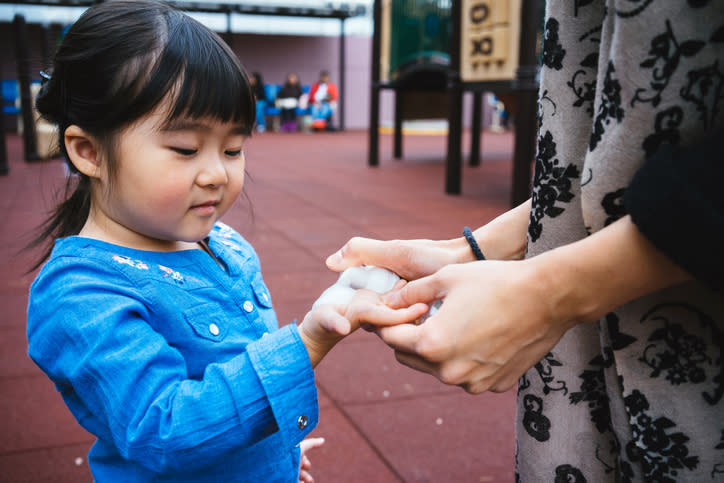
<point x="127" y="261"/>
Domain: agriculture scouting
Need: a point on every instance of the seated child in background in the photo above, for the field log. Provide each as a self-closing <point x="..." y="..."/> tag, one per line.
<point x="287" y="101"/>
<point x="150" y="315"/>
<point x="323" y="97"/>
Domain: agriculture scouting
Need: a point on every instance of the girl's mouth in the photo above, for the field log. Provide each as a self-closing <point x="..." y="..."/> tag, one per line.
<point x="205" y="209"/>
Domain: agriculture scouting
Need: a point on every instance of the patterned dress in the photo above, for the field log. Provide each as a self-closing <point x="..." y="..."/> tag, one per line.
<point x="639" y="395"/>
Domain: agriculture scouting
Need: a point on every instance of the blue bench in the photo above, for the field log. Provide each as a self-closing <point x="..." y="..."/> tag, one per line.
<point x="11" y="93"/>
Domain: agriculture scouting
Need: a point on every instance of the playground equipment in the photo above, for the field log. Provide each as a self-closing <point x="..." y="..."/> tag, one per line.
<point x="429" y="52"/>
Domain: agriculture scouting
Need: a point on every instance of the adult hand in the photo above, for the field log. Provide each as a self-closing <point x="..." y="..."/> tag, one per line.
<point x="503" y="238"/>
<point x="496" y="321"/>
<point x="410" y="259"/>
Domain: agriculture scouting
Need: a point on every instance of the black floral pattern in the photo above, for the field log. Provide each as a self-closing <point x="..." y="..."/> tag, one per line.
<point x="535" y="422"/>
<point x="553" y="51"/>
<point x="680" y="356"/>
<point x="583" y="84"/>
<point x="569" y="474"/>
<point x="664" y="57"/>
<point x="613" y="205"/>
<point x="609" y="108"/>
<point x="718" y="469"/>
<point x="619" y="340"/>
<point x="593" y="392"/>
<point x="666" y="130"/>
<point x="552" y="184"/>
<point x="661" y="452"/>
<point x="639" y="7"/>
<point x="543" y="100"/>
<point x="706" y="90"/>
<point x="544" y="368"/>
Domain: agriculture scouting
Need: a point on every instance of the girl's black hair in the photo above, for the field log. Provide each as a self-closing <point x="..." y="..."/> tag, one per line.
<point x="117" y="62"/>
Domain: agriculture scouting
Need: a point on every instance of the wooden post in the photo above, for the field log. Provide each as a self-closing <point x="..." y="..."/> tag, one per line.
<point x="341" y="76"/>
<point x="399" y="99"/>
<point x="24" y="78"/>
<point x="373" y="154"/>
<point x="476" y="128"/>
<point x="453" y="165"/>
<point x="4" y="166"/>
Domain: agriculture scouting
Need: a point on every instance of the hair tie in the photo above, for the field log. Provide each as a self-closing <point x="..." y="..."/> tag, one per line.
<point x="468" y="234"/>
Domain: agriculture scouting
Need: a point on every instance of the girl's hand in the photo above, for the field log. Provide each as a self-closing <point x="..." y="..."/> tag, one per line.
<point x="304" y="463"/>
<point x="326" y="325"/>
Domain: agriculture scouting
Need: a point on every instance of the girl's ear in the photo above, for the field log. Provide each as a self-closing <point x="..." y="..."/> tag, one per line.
<point x="83" y="151"/>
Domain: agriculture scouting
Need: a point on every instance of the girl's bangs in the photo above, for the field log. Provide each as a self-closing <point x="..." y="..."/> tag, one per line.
<point x="203" y="76"/>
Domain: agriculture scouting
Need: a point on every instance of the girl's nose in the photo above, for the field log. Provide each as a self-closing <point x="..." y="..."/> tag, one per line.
<point x="213" y="173"/>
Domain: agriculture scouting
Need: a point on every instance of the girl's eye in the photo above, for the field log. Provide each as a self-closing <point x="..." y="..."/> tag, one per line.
<point x="234" y="154"/>
<point x="184" y="151"/>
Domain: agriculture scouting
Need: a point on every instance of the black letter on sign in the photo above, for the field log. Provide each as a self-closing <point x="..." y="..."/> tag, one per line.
<point x="479" y="13"/>
<point x="483" y="46"/>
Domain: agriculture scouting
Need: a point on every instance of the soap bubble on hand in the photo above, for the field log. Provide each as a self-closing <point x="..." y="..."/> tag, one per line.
<point x="352" y="279"/>
<point x="376" y="279"/>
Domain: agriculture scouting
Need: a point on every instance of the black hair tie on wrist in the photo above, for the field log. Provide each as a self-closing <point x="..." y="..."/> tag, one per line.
<point x="468" y="234"/>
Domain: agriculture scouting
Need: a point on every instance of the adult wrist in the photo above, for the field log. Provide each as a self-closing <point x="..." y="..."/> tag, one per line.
<point x="569" y="296"/>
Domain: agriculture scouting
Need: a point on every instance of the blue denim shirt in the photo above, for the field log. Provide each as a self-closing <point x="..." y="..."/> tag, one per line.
<point x="175" y="363"/>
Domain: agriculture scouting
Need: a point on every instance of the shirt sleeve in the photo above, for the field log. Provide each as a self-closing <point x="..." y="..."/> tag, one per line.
<point x="675" y="200"/>
<point x="123" y="381"/>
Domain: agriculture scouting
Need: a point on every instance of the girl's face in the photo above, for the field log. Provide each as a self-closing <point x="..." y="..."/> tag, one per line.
<point x="172" y="184"/>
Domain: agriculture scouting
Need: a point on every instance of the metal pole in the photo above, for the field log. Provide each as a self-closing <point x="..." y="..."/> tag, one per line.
<point x="23" y="62"/>
<point x="4" y="166"/>
<point x="341" y="76"/>
<point x="476" y="129"/>
<point x="373" y="154"/>
<point x="229" y="36"/>
<point x="453" y="166"/>
<point x="399" y="96"/>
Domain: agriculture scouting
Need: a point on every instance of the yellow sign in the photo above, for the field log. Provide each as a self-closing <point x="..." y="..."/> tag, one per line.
<point x="489" y="40"/>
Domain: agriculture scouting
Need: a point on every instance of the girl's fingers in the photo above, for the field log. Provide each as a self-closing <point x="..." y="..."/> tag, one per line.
<point x="305" y="476"/>
<point x="310" y="443"/>
<point x="366" y="308"/>
<point x="330" y="318"/>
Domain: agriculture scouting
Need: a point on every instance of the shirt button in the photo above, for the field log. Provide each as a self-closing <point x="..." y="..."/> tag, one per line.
<point x="214" y="329"/>
<point x="302" y="421"/>
<point x="248" y="306"/>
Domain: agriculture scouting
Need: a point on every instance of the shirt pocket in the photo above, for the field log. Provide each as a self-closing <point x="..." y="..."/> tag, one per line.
<point x="208" y="321"/>
<point x="261" y="293"/>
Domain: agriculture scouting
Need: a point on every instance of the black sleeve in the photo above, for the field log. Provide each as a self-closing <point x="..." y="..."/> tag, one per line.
<point x="676" y="200"/>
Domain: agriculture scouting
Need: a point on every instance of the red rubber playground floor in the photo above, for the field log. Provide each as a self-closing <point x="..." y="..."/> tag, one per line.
<point x="308" y="193"/>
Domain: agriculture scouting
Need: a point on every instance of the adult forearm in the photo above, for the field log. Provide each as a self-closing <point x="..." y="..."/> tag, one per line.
<point x="603" y="271"/>
<point x="504" y="238"/>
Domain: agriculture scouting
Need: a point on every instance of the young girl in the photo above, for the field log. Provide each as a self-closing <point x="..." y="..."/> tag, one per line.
<point x="150" y="316"/>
